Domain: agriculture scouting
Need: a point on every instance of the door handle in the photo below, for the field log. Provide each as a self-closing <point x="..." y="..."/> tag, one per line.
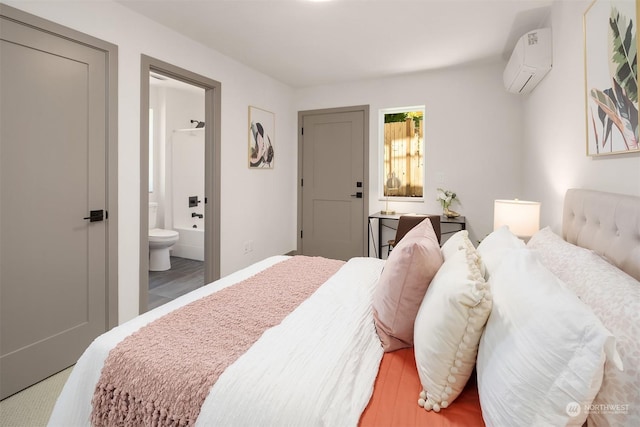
<point x="95" y="216"/>
<point x="358" y="195"/>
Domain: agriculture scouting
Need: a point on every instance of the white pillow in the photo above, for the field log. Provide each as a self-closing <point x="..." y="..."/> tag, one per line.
<point x="541" y="357"/>
<point x="448" y="328"/>
<point x="614" y="297"/>
<point x="458" y="241"/>
<point x="495" y="245"/>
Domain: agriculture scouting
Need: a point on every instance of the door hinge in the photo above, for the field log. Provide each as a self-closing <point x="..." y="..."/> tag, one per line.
<point x="301" y="182"/>
<point x="301" y="234"/>
<point x="302" y="131"/>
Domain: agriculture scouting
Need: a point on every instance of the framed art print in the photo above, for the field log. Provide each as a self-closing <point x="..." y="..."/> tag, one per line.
<point x="611" y="77"/>
<point x="261" y="138"/>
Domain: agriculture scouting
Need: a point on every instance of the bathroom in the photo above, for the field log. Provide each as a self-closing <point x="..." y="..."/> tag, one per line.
<point x="176" y="188"/>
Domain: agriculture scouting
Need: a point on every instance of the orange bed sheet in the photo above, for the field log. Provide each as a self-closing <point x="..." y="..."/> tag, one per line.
<point x="395" y="398"/>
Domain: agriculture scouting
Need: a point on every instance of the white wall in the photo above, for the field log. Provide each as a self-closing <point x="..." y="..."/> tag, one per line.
<point x="179" y="107"/>
<point x="555" y="128"/>
<point x="485" y="142"/>
<point x="256" y="205"/>
<point x="472" y="135"/>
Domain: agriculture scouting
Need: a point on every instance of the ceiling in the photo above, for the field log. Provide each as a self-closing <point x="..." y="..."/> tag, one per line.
<point x="306" y="43"/>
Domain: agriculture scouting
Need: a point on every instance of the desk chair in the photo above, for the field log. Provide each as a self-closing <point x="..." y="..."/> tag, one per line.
<point x="407" y="222"/>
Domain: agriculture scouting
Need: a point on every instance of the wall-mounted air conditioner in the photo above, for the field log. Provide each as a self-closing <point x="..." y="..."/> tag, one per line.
<point x="530" y="61"/>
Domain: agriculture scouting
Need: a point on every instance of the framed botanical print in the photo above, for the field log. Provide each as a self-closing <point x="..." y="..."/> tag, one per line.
<point x="261" y="138"/>
<point x="611" y="77"/>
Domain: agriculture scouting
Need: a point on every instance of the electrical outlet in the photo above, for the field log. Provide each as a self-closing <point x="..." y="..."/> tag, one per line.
<point x="248" y="246"/>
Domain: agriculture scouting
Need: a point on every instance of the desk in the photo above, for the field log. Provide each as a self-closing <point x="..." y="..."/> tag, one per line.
<point x="460" y="221"/>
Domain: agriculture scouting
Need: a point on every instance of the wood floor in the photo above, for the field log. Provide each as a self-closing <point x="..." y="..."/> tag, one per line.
<point x="184" y="276"/>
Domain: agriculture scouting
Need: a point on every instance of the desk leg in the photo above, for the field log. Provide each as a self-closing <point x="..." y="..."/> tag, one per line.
<point x="369" y="233"/>
<point x="379" y="239"/>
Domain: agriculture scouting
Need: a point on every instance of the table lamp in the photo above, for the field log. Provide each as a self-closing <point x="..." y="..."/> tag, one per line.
<point x="522" y="217"/>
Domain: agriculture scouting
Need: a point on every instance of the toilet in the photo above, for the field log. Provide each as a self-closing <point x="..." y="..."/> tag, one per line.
<point x="160" y="241"/>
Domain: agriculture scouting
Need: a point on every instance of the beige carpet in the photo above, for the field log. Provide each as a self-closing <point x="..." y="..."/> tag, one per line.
<point x="32" y="407"/>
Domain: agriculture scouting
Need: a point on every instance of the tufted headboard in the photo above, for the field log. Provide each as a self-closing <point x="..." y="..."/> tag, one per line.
<point x="607" y="223"/>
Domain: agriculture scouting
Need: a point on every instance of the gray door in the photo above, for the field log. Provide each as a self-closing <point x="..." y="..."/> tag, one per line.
<point x="53" y="286"/>
<point x="333" y="184"/>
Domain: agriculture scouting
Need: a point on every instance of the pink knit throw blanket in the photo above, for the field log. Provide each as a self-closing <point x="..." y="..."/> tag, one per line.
<point x="161" y="374"/>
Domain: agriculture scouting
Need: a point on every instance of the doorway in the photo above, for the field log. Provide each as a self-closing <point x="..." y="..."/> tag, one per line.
<point x="333" y="167"/>
<point x="186" y="188"/>
<point x="176" y="188"/>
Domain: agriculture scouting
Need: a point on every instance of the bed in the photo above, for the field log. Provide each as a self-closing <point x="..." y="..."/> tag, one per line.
<point x="327" y="353"/>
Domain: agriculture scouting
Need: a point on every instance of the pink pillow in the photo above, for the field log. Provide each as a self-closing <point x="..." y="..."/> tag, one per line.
<point x="403" y="283"/>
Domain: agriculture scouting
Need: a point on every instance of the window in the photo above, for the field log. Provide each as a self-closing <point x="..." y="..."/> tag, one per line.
<point x="402" y="142"/>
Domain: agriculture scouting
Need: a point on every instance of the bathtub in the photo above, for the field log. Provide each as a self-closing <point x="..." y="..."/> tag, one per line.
<point x="190" y="244"/>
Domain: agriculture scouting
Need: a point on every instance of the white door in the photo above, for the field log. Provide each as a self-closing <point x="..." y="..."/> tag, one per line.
<point x="53" y="261"/>
<point x="333" y="183"/>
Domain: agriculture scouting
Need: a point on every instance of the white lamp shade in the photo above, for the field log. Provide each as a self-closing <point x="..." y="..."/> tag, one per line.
<point x="522" y="217"/>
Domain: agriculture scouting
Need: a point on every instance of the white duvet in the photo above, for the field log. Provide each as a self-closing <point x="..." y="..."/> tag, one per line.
<point x="317" y="367"/>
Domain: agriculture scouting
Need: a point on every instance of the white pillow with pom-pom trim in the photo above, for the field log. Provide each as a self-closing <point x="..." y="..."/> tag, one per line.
<point x="460" y="242"/>
<point x="457" y="242"/>
<point x="448" y="328"/>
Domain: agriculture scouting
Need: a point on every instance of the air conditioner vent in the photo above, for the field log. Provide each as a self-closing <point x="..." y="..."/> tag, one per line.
<point x="530" y="61"/>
